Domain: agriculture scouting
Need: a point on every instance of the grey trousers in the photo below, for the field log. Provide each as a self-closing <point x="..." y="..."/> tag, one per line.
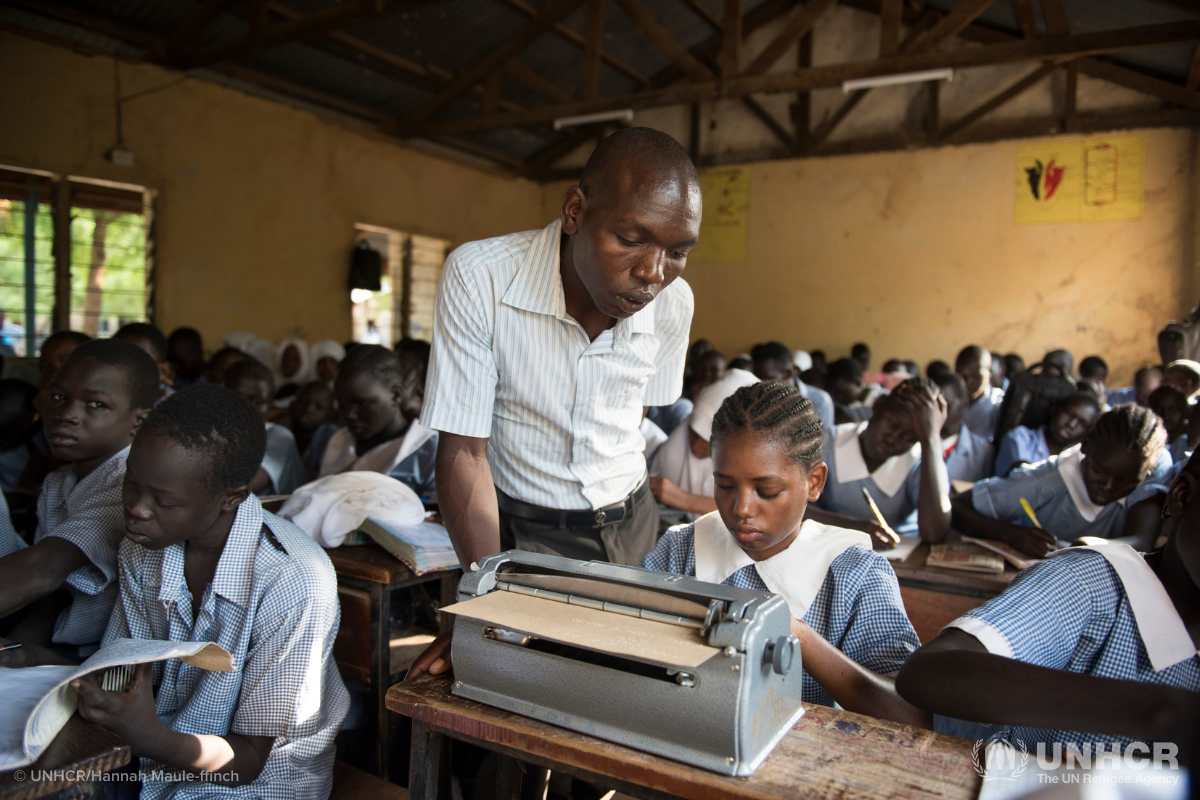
<point x="623" y="542"/>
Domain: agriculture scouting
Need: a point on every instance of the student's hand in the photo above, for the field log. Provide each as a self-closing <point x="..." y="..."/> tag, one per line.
<point x="881" y="539"/>
<point x="16" y="658"/>
<point x="129" y="714"/>
<point x="435" y="660"/>
<point x="1032" y="541"/>
<point x="667" y="493"/>
<point x="926" y="405"/>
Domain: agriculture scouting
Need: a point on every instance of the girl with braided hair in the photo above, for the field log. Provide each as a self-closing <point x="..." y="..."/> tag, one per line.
<point x="844" y="599"/>
<point x="1110" y="487"/>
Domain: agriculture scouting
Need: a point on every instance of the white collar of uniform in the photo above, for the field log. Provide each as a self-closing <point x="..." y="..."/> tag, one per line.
<point x="1163" y="633"/>
<point x="797" y="573"/>
<point x="341" y="456"/>
<point x="889" y="476"/>
<point x="952" y="441"/>
<point x="1070" y="467"/>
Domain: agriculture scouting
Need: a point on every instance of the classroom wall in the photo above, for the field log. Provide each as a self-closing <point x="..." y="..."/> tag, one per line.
<point x="257" y="200"/>
<point x="916" y="253"/>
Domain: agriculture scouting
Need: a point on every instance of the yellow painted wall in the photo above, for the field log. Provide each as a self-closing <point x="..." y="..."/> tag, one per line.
<point x="916" y="253"/>
<point x="257" y="200"/>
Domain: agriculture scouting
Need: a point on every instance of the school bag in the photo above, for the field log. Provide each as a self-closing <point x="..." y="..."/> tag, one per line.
<point x="366" y="268"/>
<point x="1028" y="400"/>
<point x="1180" y="339"/>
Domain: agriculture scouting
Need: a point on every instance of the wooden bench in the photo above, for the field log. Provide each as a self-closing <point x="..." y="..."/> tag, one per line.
<point x="354" y="784"/>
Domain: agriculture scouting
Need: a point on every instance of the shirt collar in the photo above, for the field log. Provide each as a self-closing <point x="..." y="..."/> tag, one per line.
<point x="1163" y="631"/>
<point x="797" y="573"/>
<point x="235" y="570"/>
<point x="100" y="474"/>
<point x="1070" y="467"/>
<point x="888" y="476"/>
<point x="537" y="286"/>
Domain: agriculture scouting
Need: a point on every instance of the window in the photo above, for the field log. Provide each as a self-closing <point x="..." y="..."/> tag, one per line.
<point x="82" y="265"/>
<point x="404" y="305"/>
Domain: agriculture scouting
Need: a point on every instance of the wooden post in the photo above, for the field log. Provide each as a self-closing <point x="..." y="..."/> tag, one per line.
<point x="1070" y="115"/>
<point x="31" y="208"/>
<point x="62" y="255"/>
<point x="694" y="135"/>
<point x="802" y="108"/>
<point x="931" y="111"/>
<point x="731" y="43"/>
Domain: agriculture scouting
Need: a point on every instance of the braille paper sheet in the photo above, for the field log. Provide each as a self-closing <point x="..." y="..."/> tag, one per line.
<point x="590" y="628"/>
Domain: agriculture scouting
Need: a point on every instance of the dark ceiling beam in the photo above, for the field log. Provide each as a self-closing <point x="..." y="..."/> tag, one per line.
<point x="544" y="88"/>
<point x="891" y="12"/>
<point x="831" y="75"/>
<point x="730" y="60"/>
<point x="786" y="137"/>
<point x="1055" y="17"/>
<point x="593" y="47"/>
<point x="1025" y="12"/>
<point x="1193" y="78"/>
<point x="702" y="11"/>
<point x="523" y="7"/>
<point x="797" y="28"/>
<point x="186" y="33"/>
<point x="317" y="22"/>
<point x="543" y="160"/>
<point x="664" y="41"/>
<point x="951" y="25"/>
<point x="545" y="20"/>
<point x="1131" y="79"/>
<point x="983" y="109"/>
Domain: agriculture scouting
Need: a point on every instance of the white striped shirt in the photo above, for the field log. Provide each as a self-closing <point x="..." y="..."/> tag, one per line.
<point x="509" y="363"/>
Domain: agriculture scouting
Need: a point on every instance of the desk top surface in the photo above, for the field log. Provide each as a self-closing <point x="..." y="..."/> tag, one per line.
<point x="81" y="746"/>
<point x="371" y="562"/>
<point x="912" y="570"/>
<point x="829" y="754"/>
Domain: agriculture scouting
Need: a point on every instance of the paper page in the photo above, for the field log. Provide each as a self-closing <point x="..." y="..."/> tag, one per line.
<point x="590" y="628"/>
<point x="902" y="550"/>
<point x="57" y="705"/>
<point x="427" y="534"/>
<point x="22" y="690"/>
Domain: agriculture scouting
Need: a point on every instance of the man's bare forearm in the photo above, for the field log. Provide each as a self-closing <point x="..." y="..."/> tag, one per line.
<point x="467" y="497"/>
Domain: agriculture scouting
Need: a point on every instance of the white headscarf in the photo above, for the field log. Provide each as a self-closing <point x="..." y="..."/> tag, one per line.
<point x="239" y="340"/>
<point x="802" y="360"/>
<point x="322" y="349"/>
<point x="264" y="351"/>
<point x="304" y="374"/>
<point x="675" y="460"/>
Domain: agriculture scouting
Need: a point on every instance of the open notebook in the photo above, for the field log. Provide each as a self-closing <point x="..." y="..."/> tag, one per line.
<point x="423" y="548"/>
<point x="38" y="701"/>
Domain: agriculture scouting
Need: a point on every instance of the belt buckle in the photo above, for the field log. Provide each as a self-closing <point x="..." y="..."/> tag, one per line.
<point x="600" y="517"/>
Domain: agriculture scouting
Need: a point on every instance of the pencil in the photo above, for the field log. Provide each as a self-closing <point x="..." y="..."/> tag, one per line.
<point x="10" y="646"/>
<point x="1029" y="511"/>
<point x="879" y="516"/>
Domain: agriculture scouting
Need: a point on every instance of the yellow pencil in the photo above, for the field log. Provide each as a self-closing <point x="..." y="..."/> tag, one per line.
<point x="1029" y="511"/>
<point x="879" y="516"/>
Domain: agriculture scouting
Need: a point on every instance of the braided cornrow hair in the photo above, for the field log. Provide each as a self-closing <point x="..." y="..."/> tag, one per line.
<point x="1132" y="428"/>
<point x="775" y="408"/>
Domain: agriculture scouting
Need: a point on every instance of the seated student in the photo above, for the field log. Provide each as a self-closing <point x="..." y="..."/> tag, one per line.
<point x="844" y="599"/>
<point x="310" y="417"/>
<point x="853" y="399"/>
<point x="1071" y="419"/>
<point x="221" y="361"/>
<point x="681" y="474"/>
<point x="202" y="561"/>
<point x="1172" y="408"/>
<point x="151" y="340"/>
<point x="326" y="355"/>
<point x="1184" y="375"/>
<point x="1107" y="637"/>
<point x="936" y="367"/>
<point x="1094" y="368"/>
<point x="18" y="424"/>
<point x="998" y="379"/>
<point x="1014" y="365"/>
<point x="861" y="353"/>
<point x="185" y="351"/>
<point x="414" y="352"/>
<point x="97" y="401"/>
<point x="974" y="366"/>
<point x="294" y="368"/>
<point x="897" y="457"/>
<point x="709" y="368"/>
<point x="54" y="353"/>
<point x="968" y="455"/>
<point x="281" y="471"/>
<point x="773" y="362"/>
<point x="1145" y="381"/>
<point x="1059" y="362"/>
<point x="1094" y="389"/>
<point x="814" y="375"/>
<point x="379" y="400"/>
<point x="1091" y="490"/>
<point x="743" y="362"/>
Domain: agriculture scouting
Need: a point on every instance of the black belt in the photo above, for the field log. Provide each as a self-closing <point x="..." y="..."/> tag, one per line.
<point x="597" y="518"/>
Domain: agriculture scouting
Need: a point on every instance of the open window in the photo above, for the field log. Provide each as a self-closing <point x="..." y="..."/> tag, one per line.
<point x="404" y="305"/>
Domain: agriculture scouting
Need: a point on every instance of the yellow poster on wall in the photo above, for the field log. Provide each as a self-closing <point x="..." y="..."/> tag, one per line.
<point x="725" y="226"/>
<point x="1081" y="180"/>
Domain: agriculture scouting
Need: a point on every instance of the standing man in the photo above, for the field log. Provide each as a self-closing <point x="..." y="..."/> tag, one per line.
<point x="548" y="345"/>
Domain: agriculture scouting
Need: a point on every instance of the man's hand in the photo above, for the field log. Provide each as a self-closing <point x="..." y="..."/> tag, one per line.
<point x="436" y="658"/>
<point x="926" y="405"/>
<point x="129" y="714"/>
<point x="1032" y="541"/>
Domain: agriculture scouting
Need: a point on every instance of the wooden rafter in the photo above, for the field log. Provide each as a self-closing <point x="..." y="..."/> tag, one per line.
<point x="550" y="14"/>
<point x="542" y="87"/>
<point x="1193" y="78"/>
<point x="799" y="26"/>
<point x="544" y="159"/>
<point x="1070" y="98"/>
<point x="589" y="79"/>
<point x="317" y="22"/>
<point x="990" y="105"/>
<point x="890" y="14"/>
<point x="787" y="138"/>
<point x="1025" y="12"/>
<point x="802" y="108"/>
<point x="830" y="75"/>
<point x="754" y="20"/>
<point x="664" y="41"/>
<point x="1056" y="18"/>
<point x="1146" y="84"/>
<point x="703" y="13"/>
<point x="731" y="39"/>
<point x="951" y="25"/>
<point x="575" y="38"/>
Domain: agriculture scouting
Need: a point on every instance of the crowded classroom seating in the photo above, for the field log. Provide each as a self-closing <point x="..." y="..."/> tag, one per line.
<point x="392" y="406"/>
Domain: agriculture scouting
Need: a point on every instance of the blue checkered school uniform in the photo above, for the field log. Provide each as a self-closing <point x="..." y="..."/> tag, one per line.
<point x="10" y="542"/>
<point x="1021" y="444"/>
<point x="1071" y="612"/>
<point x="88" y="514"/>
<point x="900" y="509"/>
<point x="857" y="609"/>
<point x="971" y="459"/>
<point x="1179" y="450"/>
<point x="273" y="605"/>
<point x="983" y="413"/>
<point x="1046" y="490"/>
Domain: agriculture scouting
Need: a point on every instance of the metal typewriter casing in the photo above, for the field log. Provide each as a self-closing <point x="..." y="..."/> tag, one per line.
<point x="725" y="715"/>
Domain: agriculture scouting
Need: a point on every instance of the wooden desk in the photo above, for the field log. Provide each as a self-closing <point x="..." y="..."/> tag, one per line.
<point x="80" y="747"/>
<point x="367" y="575"/>
<point x="934" y="596"/>
<point x="829" y="754"/>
